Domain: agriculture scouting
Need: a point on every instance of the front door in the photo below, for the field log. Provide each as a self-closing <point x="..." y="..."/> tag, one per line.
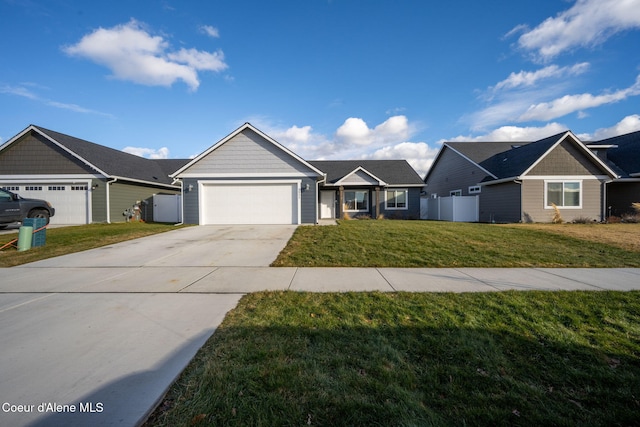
<point x="327" y="204"/>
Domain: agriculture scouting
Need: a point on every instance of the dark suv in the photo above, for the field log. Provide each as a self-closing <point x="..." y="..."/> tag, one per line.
<point x="14" y="208"/>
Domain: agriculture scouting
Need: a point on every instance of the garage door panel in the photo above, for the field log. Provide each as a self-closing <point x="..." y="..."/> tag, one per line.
<point x="269" y="203"/>
<point x="70" y="201"/>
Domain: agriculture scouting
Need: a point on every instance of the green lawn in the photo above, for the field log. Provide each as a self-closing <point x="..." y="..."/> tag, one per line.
<point x="65" y="240"/>
<point x="400" y="359"/>
<point x="445" y="244"/>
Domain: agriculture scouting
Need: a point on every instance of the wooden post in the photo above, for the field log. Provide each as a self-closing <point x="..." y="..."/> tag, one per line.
<point x="340" y="202"/>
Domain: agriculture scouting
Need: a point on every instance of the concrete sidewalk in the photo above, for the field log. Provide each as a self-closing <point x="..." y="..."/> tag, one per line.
<point x="246" y="279"/>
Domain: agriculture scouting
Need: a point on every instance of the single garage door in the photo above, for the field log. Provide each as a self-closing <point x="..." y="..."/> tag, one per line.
<point x="69" y="200"/>
<point x="249" y="203"/>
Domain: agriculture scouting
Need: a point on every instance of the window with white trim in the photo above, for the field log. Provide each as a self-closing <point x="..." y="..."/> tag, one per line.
<point x="474" y="189"/>
<point x="397" y="199"/>
<point x="356" y="200"/>
<point x="455" y="193"/>
<point x="33" y="188"/>
<point x="563" y="194"/>
<point x="56" y="188"/>
<point x="11" y="188"/>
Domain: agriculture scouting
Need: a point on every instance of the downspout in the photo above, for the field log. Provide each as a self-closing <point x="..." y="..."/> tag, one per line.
<point x="603" y="214"/>
<point x="324" y="179"/>
<point x="109" y="200"/>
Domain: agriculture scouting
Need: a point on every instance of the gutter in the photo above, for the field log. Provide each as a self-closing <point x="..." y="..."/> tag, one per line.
<point x="515" y="179"/>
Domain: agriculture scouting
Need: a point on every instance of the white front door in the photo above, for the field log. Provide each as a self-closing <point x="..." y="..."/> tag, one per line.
<point x="327" y="204"/>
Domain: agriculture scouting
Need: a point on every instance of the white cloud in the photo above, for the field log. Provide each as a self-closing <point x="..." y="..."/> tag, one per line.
<point x="571" y="103"/>
<point x="531" y="78"/>
<point x="419" y="155"/>
<point x="587" y="23"/>
<point x="515" y="133"/>
<point x="210" y="31"/>
<point x="132" y="54"/>
<point x="20" y="90"/>
<point x="355" y="131"/>
<point x="150" y="153"/>
<point x="626" y="125"/>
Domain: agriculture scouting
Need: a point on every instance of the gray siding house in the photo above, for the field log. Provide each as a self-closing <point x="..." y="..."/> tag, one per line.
<point x="369" y="188"/>
<point x="85" y="182"/>
<point x="249" y="178"/>
<point x="521" y="182"/>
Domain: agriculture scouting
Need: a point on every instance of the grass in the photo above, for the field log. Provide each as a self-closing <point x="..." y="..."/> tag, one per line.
<point x="446" y="244"/>
<point x="66" y="240"/>
<point x="511" y="358"/>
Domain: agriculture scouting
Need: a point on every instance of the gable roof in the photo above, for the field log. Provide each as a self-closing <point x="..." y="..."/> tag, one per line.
<point x="233" y="134"/>
<point x="390" y="172"/>
<point x="625" y="153"/>
<point x="107" y="161"/>
<point x="511" y="160"/>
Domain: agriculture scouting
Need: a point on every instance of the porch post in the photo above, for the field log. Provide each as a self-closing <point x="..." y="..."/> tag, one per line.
<point x="340" y="202"/>
<point x="377" y="202"/>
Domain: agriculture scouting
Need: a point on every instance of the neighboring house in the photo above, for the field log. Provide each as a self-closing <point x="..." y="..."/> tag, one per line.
<point x="249" y="178"/>
<point x="622" y="153"/>
<point x="85" y="182"/>
<point x="369" y="188"/>
<point x="520" y="182"/>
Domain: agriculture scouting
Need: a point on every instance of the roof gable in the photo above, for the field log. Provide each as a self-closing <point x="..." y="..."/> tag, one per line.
<point x="248" y="152"/>
<point x="360" y="176"/>
<point x="103" y="160"/>
<point x="387" y="172"/>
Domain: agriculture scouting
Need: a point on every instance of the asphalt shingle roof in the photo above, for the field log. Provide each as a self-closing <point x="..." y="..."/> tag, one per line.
<point x="626" y="155"/>
<point x="116" y="162"/>
<point x="505" y="159"/>
<point x="393" y="172"/>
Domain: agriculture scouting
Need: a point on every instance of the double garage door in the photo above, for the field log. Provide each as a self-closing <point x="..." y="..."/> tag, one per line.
<point x="238" y="202"/>
<point x="70" y="200"/>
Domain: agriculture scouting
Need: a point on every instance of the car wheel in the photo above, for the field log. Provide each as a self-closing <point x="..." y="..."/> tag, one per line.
<point x="39" y="213"/>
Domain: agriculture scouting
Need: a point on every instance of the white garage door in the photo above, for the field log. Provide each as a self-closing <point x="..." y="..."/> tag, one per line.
<point x="69" y="200"/>
<point x="249" y="203"/>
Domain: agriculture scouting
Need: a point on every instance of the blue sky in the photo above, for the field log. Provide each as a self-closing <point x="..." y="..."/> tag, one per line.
<point x="330" y="79"/>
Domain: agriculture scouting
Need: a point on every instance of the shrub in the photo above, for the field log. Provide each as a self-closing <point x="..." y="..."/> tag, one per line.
<point x="557" y="218"/>
<point x="614" y="220"/>
<point x="631" y="219"/>
<point x="583" y="220"/>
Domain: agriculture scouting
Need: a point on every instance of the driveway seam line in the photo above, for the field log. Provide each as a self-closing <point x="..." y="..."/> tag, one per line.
<point x="193" y="283"/>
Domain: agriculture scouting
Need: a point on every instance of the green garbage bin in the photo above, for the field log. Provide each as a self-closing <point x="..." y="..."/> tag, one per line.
<point x="24" y="238"/>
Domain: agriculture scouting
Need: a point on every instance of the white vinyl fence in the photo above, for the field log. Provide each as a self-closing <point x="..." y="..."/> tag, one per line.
<point x="455" y="208"/>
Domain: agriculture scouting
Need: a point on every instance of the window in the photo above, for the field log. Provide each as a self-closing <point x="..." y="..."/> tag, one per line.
<point x="397" y="199"/>
<point x="56" y="188"/>
<point x="564" y="194"/>
<point x="356" y="200"/>
<point x="78" y="187"/>
<point x="11" y="188"/>
<point x="455" y="193"/>
<point x="33" y="188"/>
<point x="474" y="189"/>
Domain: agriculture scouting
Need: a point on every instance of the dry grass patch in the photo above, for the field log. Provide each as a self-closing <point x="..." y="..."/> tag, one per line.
<point x="624" y="236"/>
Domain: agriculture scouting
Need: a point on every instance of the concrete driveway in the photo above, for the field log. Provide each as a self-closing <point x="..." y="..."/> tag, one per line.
<point x="89" y="339"/>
